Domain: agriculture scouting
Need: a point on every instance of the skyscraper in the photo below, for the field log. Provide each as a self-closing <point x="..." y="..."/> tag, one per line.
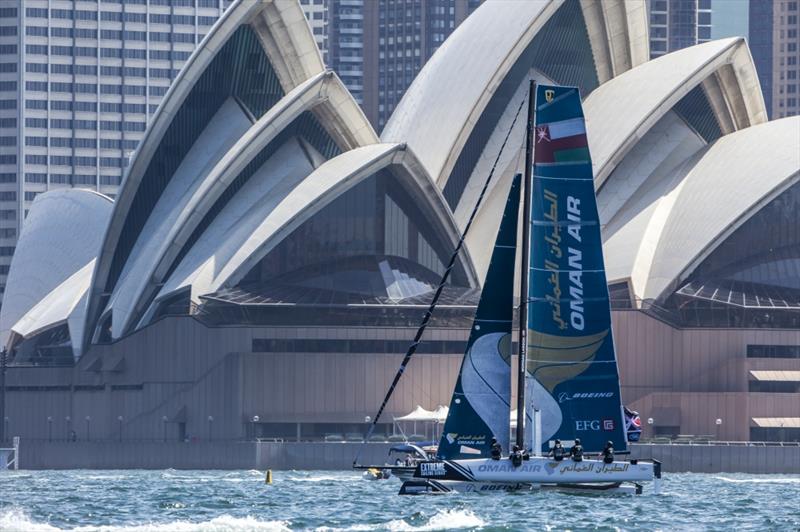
<point x="676" y="24"/>
<point x="79" y="82"/>
<point x="379" y="46"/>
<point x="316" y="12"/>
<point x="774" y="42"/>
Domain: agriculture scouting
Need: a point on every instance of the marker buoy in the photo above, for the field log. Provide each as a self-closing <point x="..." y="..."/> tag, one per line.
<point x="268" y="479"/>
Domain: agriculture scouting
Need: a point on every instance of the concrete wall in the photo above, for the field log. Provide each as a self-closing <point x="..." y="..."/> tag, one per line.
<point x="182" y="370"/>
<point x="691" y="377"/>
<point x="340" y="456"/>
<point x="722" y="459"/>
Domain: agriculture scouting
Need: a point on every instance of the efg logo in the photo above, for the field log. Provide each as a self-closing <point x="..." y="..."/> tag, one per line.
<point x="583" y="424"/>
<point x="563" y="397"/>
<point x="432" y="469"/>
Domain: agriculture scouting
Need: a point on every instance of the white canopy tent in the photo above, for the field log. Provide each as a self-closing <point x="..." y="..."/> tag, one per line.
<point x="437" y="416"/>
<point x="418" y="414"/>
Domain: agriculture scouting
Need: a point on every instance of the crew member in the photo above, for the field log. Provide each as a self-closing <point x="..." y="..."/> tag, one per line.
<point x="516" y="456"/>
<point x="557" y="452"/>
<point x="497" y="451"/>
<point x="576" y="452"/>
<point x="608" y="453"/>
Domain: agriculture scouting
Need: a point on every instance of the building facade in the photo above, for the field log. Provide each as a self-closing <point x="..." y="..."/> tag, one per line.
<point x="378" y="47"/>
<point x="676" y="24"/>
<point x="317" y="13"/>
<point x="80" y="83"/>
<point x="775" y="39"/>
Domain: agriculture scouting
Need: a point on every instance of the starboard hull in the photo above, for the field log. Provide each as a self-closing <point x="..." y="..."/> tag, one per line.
<point x="434" y="487"/>
<point x="538" y="471"/>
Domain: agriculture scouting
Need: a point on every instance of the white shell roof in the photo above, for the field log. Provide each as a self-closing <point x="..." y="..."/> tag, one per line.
<point x="622" y="110"/>
<point x="62" y="233"/>
<point x="453" y="87"/>
<point x="327" y="182"/>
<point x="228" y="143"/>
<point x="66" y="303"/>
<point x="200" y="268"/>
<point x="689" y="212"/>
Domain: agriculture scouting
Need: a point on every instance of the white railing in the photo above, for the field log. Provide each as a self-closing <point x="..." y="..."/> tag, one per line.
<point x="12" y="460"/>
<point x="722" y="443"/>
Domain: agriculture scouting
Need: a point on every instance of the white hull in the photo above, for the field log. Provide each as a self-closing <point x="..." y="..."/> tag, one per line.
<point x="538" y="470"/>
<point x="486" y="475"/>
<point x="433" y="487"/>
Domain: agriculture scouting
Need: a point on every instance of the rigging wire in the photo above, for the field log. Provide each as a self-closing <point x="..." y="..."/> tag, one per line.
<point x="445" y="276"/>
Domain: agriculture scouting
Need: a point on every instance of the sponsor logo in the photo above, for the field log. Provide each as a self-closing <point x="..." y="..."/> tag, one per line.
<point x="502" y="487"/>
<point x="432" y="469"/>
<point x="505" y="467"/>
<point x="563" y="397"/>
<point x="451" y="437"/>
<point x="587" y="424"/>
<point x="548" y="95"/>
<point x="595" y="424"/>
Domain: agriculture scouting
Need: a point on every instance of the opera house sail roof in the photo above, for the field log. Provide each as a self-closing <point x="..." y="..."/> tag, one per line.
<point x="260" y="183"/>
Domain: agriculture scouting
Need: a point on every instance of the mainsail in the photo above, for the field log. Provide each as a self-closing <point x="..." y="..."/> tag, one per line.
<point x="575" y="383"/>
<point x="480" y="404"/>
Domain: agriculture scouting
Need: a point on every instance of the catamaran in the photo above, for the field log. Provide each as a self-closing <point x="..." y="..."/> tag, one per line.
<point x="567" y="378"/>
<point x="568" y="382"/>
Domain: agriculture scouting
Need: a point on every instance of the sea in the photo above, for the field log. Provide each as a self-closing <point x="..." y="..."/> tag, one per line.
<point x="233" y="501"/>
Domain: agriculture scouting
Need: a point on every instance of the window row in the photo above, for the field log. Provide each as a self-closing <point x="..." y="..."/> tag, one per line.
<point x="69" y="142"/>
<point x="116" y="53"/>
<point x="91" y="88"/>
<point x="68" y="160"/>
<point x="41" y="12"/>
<point x="118" y="35"/>
<point x="65" y="123"/>
<point x="174" y="3"/>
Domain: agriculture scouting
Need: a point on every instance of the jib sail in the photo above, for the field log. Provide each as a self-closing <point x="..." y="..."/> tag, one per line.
<point x="575" y="383"/>
<point x="480" y="404"/>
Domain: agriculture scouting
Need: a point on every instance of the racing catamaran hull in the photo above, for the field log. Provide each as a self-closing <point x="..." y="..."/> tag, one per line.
<point x="487" y="475"/>
<point x="441" y="487"/>
<point x="538" y="470"/>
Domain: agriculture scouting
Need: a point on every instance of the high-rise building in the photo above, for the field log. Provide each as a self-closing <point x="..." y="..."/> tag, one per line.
<point x="774" y="42"/>
<point x="379" y="46"/>
<point x="676" y="24"/>
<point x="79" y="82"/>
<point x="316" y="11"/>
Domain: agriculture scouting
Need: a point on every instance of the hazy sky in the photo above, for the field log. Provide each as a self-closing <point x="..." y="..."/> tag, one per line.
<point x="729" y="18"/>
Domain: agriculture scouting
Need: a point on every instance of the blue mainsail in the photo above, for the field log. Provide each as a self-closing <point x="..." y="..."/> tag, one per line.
<point x="479" y="409"/>
<point x="575" y="382"/>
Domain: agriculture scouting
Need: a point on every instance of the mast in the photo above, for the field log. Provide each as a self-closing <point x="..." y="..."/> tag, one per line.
<point x="523" y="285"/>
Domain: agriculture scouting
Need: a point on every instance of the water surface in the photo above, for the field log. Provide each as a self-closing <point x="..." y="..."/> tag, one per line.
<point x="232" y="501"/>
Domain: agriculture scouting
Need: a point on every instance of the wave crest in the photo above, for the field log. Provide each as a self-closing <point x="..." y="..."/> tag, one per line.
<point x="15" y="520"/>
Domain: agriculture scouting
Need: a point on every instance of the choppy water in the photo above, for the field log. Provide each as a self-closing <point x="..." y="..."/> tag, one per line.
<point x="182" y="501"/>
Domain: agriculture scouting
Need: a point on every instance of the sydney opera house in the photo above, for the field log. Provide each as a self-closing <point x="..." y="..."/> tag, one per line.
<point x="269" y="255"/>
